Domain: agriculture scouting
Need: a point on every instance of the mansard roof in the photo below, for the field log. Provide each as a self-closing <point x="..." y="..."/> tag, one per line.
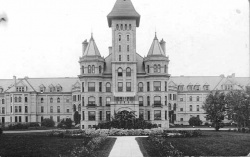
<point x="155" y="48"/>
<point x="91" y="49"/>
<point x="123" y="9"/>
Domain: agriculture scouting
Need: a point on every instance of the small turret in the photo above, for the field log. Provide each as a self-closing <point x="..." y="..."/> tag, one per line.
<point x="84" y="46"/>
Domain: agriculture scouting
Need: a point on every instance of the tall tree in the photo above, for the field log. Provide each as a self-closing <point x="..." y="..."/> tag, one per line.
<point x="238" y="107"/>
<point x="215" y="107"/>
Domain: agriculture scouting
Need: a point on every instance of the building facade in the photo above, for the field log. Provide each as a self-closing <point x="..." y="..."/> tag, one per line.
<point x="122" y="81"/>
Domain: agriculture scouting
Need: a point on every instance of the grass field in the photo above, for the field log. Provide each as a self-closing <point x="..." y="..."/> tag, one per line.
<point x="212" y="143"/>
<point x="38" y="144"/>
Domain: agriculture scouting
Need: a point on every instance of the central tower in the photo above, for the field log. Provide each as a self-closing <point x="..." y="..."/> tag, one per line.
<point x="123" y="21"/>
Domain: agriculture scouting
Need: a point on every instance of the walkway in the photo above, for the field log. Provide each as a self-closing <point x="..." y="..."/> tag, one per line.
<point x="126" y="146"/>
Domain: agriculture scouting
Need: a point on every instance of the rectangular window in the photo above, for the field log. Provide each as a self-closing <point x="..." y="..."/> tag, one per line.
<point x="197" y="108"/>
<point x="42" y="109"/>
<point x="181" y="109"/>
<point x="100" y="101"/>
<point x="174" y="96"/>
<point x="51" y="109"/>
<point x="166" y="115"/>
<point x="26" y="118"/>
<point x="20" y="119"/>
<point x="157" y="101"/>
<point x="26" y="109"/>
<point x="82" y="86"/>
<point x="15" y="118"/>
<point x="67" y="110"/>
<point x="100" y="86"/>
<point x="51" y="117"/>
<point x="127" y="48"/>
<point x="20" y="108"/>
<point x="26" y="99"/>
<point x="127" y="57"/>
<point x="170" y="96"/>
<point x="166" y="99"/>
<point x="120" y="48"/>
<point x="181" y="119"/>
<point x="91" y="86"/>
<point x="157" y="115"/>
<point x="100" y="115"/>
<point x="148" y="86"/>
<point x="141" y="116"/>
<point x="190" y="108"/>
<point x="91" y="115"/>
<point x="108" y="100"/>
<point x="127" y="37"/>
<point x="148" y="115"/>
<point x="83" y="115"/>
<point x="181" y="99"/>
<point x="140" y="101"/>
<point x="74" y="98"/>
<point x="120" y="58"/>
<point x="148" y="101"/>
<point x="107" y="115"/>
<point x="120" y="86"/>
<point x="128" y="86"/>
<point x="166" y="86"/>
<point x="58" y="118"/>
<point x="58" y="109"/>
<point x="83" y="101"/>
<point x="10" y="109"/>
<point x="16" y="110"/>
<point x="3" y="110"/>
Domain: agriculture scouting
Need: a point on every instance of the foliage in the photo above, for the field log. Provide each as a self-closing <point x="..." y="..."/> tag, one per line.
<point x="1" y="131"/>
<point x="238" y="107"/>
<point x="215" y="107"/>
<point x="77" y="117"/>
<point x="163" y="147"/>
<point x="126" y="120"/>
<point x="47" y="122"/>
<point x="66" y="124"/>
<point x="18" y="126"/>
<point x="195" y="121"/>
<point x="34" y="124"/>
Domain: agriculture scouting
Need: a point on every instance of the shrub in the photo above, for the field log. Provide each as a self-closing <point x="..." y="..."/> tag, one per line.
<point x="195" y="121"/>
<point x="67" y="124"/>
<point x="18" y="126"/>
<point x="48" y="122"/>
<point x="34" y="124"/>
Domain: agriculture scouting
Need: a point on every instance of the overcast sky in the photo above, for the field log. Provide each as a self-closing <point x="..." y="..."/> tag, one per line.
<point x="42" y="38"/>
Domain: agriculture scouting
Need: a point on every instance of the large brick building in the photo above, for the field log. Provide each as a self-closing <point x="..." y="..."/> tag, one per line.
<point x="124" y="80"/>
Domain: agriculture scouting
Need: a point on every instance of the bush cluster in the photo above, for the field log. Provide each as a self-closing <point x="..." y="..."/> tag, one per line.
<point x="47" y="122"/>
<point x="65" y="124"/>
<point x="163" y="147"/>
<point x="243" y="130"/>
<point x="195" y="121"/>
<point x="20" y="126"/>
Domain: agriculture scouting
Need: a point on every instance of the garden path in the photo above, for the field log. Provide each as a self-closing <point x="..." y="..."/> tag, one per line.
<point x="126" y="146"/>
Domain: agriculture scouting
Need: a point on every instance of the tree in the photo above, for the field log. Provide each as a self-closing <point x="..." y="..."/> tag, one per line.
<point x="77" y="117"/>
<point x="238" y="107"/>
<point x="195" y="121"/>
<point x="215" y="107"/>
<point x="67" y="124"/>
<point x="47" y="122"/>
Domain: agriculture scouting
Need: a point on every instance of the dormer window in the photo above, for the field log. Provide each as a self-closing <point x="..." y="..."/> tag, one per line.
<point x="180" y="88"/>
<point x="189" y="87"/>
<point x="20" y="89"/>
<point x="42" y="88"/>
<point x="51" y="88"/>
<point x="196" y="87"/>
<point x="1" y="90"/>
<point x="206" y="87"/>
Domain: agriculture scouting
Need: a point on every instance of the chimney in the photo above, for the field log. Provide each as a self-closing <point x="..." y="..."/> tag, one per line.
<point x="163" y="46"/>
<point x="84" y="46"/>
<point x="233" y="75"/>
<point x="110" y="50"/>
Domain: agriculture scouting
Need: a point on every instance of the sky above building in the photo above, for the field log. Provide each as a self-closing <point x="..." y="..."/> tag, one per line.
<point x="43" y="38"/>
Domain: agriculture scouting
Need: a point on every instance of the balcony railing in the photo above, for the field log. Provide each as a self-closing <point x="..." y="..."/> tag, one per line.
<point x="91" y="105"/>
<point x="157" y="105"/>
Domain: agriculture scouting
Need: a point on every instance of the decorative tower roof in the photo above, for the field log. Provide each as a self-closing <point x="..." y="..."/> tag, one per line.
<point x="156" y="48"/>
<point x="123" y="9"/>
<point x="91" y="49"/>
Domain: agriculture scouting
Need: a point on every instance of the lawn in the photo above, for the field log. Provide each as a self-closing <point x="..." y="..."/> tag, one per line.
<point x="212" y="143"/>
<point x="38" y="144"/>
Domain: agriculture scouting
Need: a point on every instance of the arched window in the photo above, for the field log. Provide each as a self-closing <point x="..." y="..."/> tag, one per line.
<point x="91" y="100"/>
<point x="174" y="106"/>
<point x="155" y="68"/>
<point x="58" y="100"/>
<point x="165" y="69"/>
<point x="74" y="108"/>
<point x="120" y="72"/>
<point x="169" y="107"/>
<point x="51" y="100"/>
<point x="79" y="107"/>
<point x="108" y="87"/>
<point x="148" y="68"/>
<point x="100" y="69"/>
<point x="159" y="68"/>
<point x="198" y="98"/>
<point x="190" y="108"/>
<point x="128" y="72"/>
<point x="41" y="100"/>
<point x="19" y="99"/>
<point x="121" y="26"/>
<point x="130" y="26"/>
<point x="140" y="87"/>
<point x="120" y="38"/>
<point x="126" y="26"/>
<point x="127" y="37"/>
<point x="157" y="100"/>
<point x="83" y="69"/>
<point x="190" y="98"/>
<point x="93" y="69"/>
<point x="89" y="69"/>
<point x="117" y="27"/>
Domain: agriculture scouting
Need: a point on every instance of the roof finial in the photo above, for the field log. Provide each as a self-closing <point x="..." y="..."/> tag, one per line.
<point x="155" y="36"/>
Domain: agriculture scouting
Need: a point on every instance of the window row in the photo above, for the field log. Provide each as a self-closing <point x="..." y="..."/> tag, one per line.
<point x="123" y="27"/>
<point x="91" y="87"/>
<point x="157" y="68"/>
<point x="92" y="116"/>
<point x="19" y="119"/>
<point x="92" y="102"/>
<point x="120" y="72"/>
<point x="91" y="69"/>
<point x="51" y="109"/>
<point x="156" y="86"/>
<point x="3" y="110"/>
<point x="17" y="99"/>
<point x="120" y="49"/>
<point x="193" y="88"/>
<point x="2" y="101"/>
<point x="51" y="100"/>
<point x="191" y="108"/>
<point x="191" y="98"/>
<point x="51" y="117"/>
<point x="156" y="101"/>
<point x="120" y="37"/>
<point x="18" y="109"/>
